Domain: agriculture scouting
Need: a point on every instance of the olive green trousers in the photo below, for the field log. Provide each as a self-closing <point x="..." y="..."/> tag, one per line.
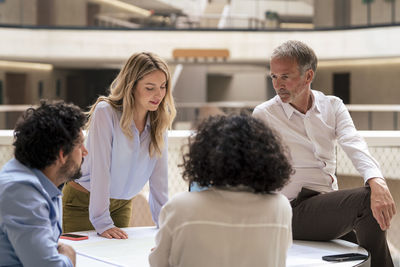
<point x="76" y="211"/>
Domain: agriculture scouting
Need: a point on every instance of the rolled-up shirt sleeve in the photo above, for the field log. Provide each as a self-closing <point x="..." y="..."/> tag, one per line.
<point x="354" y="145"/>
<point x="159" y="183"/>
<point x="26" y="222"/>
<point x="100" y="139"/>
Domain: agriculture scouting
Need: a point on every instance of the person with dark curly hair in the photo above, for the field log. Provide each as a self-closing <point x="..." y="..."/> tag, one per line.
<point x="238" y="220"/>
<point x="49" y="151"/>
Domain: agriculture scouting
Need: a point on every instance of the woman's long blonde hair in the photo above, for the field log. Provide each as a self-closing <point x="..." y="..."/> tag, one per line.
<point x="121" y="98"/>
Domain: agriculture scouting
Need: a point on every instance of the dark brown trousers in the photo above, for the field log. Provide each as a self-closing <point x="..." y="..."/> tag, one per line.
<point x="327" y="216"/>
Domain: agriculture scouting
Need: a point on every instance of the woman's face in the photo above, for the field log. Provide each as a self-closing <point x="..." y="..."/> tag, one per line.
<point x="150" y="91"/>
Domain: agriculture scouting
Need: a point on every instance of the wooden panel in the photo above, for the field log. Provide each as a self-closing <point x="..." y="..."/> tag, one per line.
<point x="201" y="53"/>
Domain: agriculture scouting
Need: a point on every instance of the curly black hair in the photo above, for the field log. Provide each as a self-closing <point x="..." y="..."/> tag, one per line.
<point x="40" y="133"/>
<point x="230" y="151"/>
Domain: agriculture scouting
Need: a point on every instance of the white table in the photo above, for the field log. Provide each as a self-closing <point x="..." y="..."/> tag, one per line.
<point x="309" y="253"/>
<point x="99" y="251"/>
<point x="134" y="251"/>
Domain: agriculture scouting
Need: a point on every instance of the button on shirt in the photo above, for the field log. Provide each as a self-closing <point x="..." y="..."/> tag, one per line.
<point x="118" y="167"/>
<point x="312" y="138"/>
<point x="30" y="218"/>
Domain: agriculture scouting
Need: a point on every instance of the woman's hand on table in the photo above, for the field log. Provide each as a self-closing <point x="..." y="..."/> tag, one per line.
<point x="114" y="232"/>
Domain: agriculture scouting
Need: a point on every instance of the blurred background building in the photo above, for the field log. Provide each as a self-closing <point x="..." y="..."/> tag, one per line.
<point x="218" y="52"/>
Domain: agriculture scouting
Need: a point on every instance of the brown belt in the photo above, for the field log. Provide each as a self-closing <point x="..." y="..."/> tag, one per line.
<point x="78" y="187"/>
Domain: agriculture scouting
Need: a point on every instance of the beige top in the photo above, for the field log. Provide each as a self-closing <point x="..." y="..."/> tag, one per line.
<point x="223" y="228"/>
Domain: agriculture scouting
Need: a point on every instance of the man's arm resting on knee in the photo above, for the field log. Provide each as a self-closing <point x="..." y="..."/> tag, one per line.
<point x="382" y="204"/>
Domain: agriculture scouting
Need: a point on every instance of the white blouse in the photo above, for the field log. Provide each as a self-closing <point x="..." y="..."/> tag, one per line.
<point x="118" y="167"/>
<point x="223" y="228"/>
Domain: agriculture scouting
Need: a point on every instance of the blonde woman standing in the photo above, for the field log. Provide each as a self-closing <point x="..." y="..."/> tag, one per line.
<point x="127" y="144"/>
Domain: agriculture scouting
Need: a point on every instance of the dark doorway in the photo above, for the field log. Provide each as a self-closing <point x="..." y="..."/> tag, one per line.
<point x="218" y="86"/>
<point x="76" y="90"/>
<point x="14" y="95"/>
<point x="1" y="92"/>
<point x="84" y="86"/>
<point x="92" y="11"/>
<point x="342" y="13"/>
<point x="45" y="12"/>
<point x="341" y="86"/>
<point x="270" y="88"/>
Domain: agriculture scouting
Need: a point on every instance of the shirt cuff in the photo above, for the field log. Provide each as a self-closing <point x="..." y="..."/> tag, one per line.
<point x="372" y="174"/>
<point x="101" y="225"/>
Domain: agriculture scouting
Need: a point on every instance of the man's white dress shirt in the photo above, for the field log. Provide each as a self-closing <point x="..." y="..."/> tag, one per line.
<point x="312" y="138"/>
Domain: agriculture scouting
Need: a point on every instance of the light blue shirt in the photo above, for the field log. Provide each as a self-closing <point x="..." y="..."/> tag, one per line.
<point x="30" y="218"/>
<point x="118" y="167"/>
<point x="195" y="187"/>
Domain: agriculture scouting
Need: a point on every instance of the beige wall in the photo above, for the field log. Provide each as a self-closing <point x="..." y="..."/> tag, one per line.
<point x="381" y="13"/>
<point x="191" y="85"/>
<point x="18" y="12"/>
<point x="98" y="48"/>
<point x="257" y="9"/>
<point x="23" y="12"/>
<point x="204" y="84"/>
<point x="324" y="13"/>
<point x="70" y="13"/>
<point x="358" y="13"/>
<point x="247" y="87"/>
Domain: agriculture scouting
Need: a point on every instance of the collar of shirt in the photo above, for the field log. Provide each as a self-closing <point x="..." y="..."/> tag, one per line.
<point x="48" y="185"/>
<point x="146" y="126"/>
<point x="289" y="109"/>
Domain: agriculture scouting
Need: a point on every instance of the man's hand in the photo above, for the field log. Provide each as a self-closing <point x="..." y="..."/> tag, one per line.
<point x="115" y="232"/>
<point x="68" y="251"/>
<point x="382" y="204"/>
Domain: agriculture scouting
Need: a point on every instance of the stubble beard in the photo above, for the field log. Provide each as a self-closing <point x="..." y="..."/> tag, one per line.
<point x="71" y="171"/>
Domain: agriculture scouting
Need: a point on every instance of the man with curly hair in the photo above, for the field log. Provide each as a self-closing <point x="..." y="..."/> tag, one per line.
<point x="311" y="124"/>
<point x="238" y="220"/>
<point x="48" y="152"/>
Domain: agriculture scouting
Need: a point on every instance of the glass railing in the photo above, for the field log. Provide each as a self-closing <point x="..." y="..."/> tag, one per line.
<point x="365" y="117"/>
